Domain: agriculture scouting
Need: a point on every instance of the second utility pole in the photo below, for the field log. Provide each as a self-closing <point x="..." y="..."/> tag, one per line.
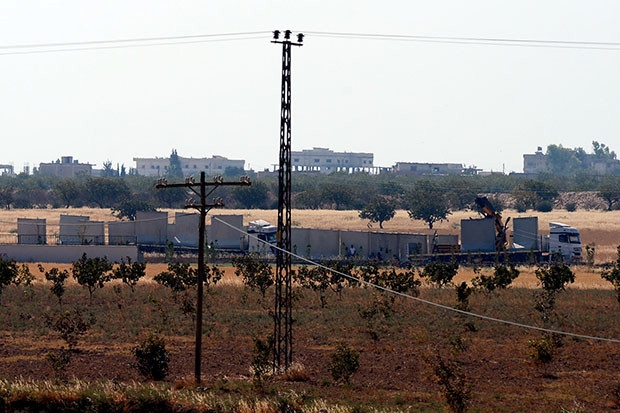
<point x="283" y="315"/>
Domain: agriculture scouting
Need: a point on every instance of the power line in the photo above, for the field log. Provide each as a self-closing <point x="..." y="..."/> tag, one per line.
<point x="496" y="41"/>
<point x="128" y="43"/>
<point x="421" y="300"/>
<point x="54" y="47"/>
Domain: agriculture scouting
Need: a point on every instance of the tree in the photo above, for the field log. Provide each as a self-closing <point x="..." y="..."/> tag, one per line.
<point x="129" y="209"/>
<point x="530" y="193"/>
<point x="564" y="161"/>
<point x="255" y="196"/>
<point x="8" y="272"/>
<point x="175" y="169"/>
<point x="108" y="170"/>
<point x="107" y="192"/>
<point x="427" y="202"/>
<point x="129" y="273"/>
<point x="379" y="209"/>
<point x="58" y="278"/>
<point x="609" y="190"/>
<point x="91" y="273"/>
<point x="68" y="192"/>
<point x="602" y="151"/>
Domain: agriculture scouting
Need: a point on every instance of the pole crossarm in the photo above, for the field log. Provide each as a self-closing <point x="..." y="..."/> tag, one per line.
<point x="203" y="207"/>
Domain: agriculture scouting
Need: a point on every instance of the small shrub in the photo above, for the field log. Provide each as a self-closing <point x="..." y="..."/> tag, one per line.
<point x="456" y="389"/>
<point x="58" y="279"/>
<point x="70" y="325"/>
<point x="613" y="276"/>
<point x="152" y="358"/>
<point x="129" y="273"/>
<point x="8" y="273"/>
<point x="520" y="206"/>
<point x="344" y="363"/>
<point x="571" y="206"/>
<point x="59" y="361"/>
<point x="440" y="274"/>
<point x="91" y="273"/>
<point x="261" y="364"/>
<point x="544" y="206"/>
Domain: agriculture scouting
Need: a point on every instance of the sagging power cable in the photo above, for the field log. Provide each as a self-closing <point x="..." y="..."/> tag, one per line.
<point x="418" y="299"/>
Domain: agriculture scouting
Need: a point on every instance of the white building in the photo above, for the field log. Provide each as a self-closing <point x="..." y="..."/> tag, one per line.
<point x="190" y="166"/>
<point x="327" y="161"/>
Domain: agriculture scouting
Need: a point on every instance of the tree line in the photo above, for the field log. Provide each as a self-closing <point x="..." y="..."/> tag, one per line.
<point x="340" y="191"/>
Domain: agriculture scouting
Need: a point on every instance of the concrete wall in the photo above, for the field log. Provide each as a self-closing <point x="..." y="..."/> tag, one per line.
<point x="122" y="233"/>
<point x="184" y="231"/>
<point x="315" y="243"/>
<point x="31" y="231"/>
<point x="223" y="235"/>
<point x="478" y="235"/>
<point x="152" y="227"/>
<point x="80" y="230"/>
<point x="67" y="253"/>
<point x="525" y="232"/>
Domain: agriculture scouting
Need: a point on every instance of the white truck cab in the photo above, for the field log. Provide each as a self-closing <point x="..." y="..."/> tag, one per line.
<point x="565" y="240"/>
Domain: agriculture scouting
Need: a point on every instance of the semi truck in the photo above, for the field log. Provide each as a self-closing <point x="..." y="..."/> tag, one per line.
<point x="488" y="238"/>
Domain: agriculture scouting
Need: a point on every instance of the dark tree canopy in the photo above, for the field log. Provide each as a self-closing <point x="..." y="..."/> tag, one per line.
<point x="428" y="202"/>
<point x="379" y="209"/>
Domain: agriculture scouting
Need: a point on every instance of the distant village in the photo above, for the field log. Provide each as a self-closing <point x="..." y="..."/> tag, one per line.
<point x="315" y="160"/>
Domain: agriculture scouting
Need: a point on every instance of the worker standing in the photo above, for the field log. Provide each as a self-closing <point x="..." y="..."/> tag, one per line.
<point x="435" y="243"/>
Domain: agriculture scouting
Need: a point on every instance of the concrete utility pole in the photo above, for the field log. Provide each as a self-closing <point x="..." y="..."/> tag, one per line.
<point x="203" y="209"/>
<point x="283" y="318"/>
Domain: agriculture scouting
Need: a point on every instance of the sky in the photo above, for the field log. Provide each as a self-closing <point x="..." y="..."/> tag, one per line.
<point x="428" y="95"/>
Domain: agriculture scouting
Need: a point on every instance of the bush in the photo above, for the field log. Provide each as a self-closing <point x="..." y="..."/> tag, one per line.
<point x="152" y="358"/>
<point x="571" y="207"/>
<point x="544" y="206"/>
<point x="344" y="363"/>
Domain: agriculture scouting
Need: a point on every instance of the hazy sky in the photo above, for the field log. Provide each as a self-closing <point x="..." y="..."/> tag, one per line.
<point x="403" y="100"/>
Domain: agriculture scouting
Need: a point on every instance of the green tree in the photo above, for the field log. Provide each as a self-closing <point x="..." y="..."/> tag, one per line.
<point x="530" y="193"/>
<point x="602" y="151"/>
<point x="254" y="196"/>
<point x="175" y="170"/>
<point x="613" y="275"/>
<point x="57" y="278"/>
<point x="564" y="161"/>
<point x="129" y="272"/>
<point x="427" y="202"/>
<point x="108" y="170"/>
<point x="91" y="273"/>
<point x="68" y="192"/>
<point x="128" y="209"/>
<point x="107" y="192"/>
<point x="8" y="273"/>
<point x="379" y="209"/>
<point x="609" y="191"/>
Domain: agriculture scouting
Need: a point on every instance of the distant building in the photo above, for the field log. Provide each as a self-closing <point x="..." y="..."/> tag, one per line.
<point x="535" y="163"/>
<point x="65" y="167"/>
<point x="190" y="166"/>
<point x="6" y="170"/>
<point x="418" y="168"/>
<point x="326" y="161"/>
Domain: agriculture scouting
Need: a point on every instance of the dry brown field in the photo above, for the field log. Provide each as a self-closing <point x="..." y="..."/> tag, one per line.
<point x="396" y="352"/>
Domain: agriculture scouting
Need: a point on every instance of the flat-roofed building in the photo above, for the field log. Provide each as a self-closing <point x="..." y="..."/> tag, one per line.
<point x="324" y="160"/>
<point x="419" y="168"/>
<point x="215" y="165"/>
<point x="65" y="167"/>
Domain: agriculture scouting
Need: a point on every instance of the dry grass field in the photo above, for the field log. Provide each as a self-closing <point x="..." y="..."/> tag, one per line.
<point x="400" y="351"/>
